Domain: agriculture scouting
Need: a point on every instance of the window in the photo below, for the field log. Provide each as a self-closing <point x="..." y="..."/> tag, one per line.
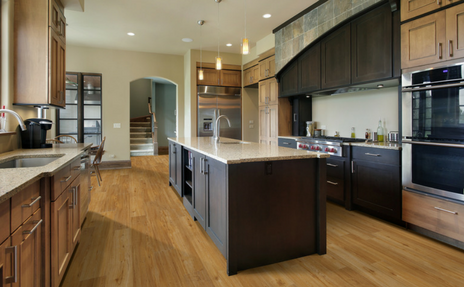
<point x="82" y="117"/>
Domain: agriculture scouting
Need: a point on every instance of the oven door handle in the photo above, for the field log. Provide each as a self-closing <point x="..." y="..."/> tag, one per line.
<point x="433" y="144"/>
<point x="428" y="88"/>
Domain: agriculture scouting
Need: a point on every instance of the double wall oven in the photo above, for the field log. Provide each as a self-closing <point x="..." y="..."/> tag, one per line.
<point x="433" y="131"/>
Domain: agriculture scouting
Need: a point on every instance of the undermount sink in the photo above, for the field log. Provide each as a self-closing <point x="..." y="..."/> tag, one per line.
<point x="27" y="162"/>
<point x="237" y="142"/>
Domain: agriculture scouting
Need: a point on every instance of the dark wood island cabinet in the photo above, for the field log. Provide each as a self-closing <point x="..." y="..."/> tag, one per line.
<point x="259" y="204"/>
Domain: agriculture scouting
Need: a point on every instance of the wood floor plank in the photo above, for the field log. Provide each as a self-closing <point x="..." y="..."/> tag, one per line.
<point x="137" y="233"/>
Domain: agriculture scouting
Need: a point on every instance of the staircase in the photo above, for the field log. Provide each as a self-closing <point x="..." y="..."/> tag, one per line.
<point x="141" y="142"/>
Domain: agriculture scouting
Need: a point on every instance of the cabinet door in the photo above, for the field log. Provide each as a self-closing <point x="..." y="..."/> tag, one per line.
<point x="455" y="32"/>
<point x="414" y="8"/>
<point x="74" y="191"/>
<point x="263" y="93"/>
<point x="289" y="80"/>
<point x="271" y="66"/>
<point x="267" y="68"/>
<point x="5" y="220"/>
<point x="309" y="65"/>
<point x="336" y="179"/>
<point x="210" y="77"/>
<point x="179" y="170"/>
<point x="371" y="38"/>
<point x="61" y="237"/>
<point x="199" y="190"/>
<point x="85" y="188"/>
<point x="28" y="241"/>
<point x="255" y="74"/>
<point x="273" y="114"/>
<point x="263" y="124"/>
<point x="423" y="40"/>
<point x="216" y="225"/>
<point x="335" y="58"/>
<point x="247" y="77"/>
<point x="57" y="70"/>
<point x="6" y="255"/>
<point x="377" y="187"/>
<point x="172" y="163"/>
<point x="268" y="92"/>
<point x="231" y="78"/>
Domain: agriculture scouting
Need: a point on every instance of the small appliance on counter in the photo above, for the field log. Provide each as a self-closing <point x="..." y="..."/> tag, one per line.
<point x="36" y="133"/>
<point x="393" y="137"/>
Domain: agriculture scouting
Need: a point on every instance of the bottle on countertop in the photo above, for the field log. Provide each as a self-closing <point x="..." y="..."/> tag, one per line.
<point x="380" y="131"/>
<point x="353" y="133"/>
<point x="367" y="134"/>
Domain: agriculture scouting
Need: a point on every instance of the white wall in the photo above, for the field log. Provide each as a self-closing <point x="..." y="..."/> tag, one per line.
<point x="361" y="110"/>
<point x="118" y="69"/>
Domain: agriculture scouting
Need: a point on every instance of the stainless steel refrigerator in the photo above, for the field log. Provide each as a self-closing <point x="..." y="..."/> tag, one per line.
<point x="215" y="101"/>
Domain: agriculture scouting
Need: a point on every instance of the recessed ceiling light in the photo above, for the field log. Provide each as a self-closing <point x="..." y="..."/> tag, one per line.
<point x="187" y="40"/>
<point x="267" y="16"/>
<point x="229" y="45"/>
<point x="131" y="34"/>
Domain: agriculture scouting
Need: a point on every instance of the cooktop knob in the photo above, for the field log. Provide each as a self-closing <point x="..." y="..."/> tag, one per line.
<point x="327" y="149"/>
<point x="333" y="150"/>
<point x="300" y="146"/>
<point x="312" y="147"/>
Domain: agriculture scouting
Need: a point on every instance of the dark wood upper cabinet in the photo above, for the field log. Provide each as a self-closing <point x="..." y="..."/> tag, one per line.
<point x="335" y="58"/>
<point x="289" y="80"/>
<point x="371" y="44"/>
<point x="309" y="66"/>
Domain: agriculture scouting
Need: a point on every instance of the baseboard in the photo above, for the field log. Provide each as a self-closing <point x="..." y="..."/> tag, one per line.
<point x="115" y="164"/>
<point x="163" y="150"/>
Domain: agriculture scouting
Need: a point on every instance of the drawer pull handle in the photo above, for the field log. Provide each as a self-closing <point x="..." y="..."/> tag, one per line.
<point x="37" y="223"/>
<point x="14" y="278"/>
<point x="372" y="154"/>
<point x="66" y="179"/>
<point x="34" y="201"/>
<point x="332" y="165"/>
<point x="445" y="210"/>
<point x="332" y="183"/>
<point x="286" y="143"/>
<point x="76" y="168"/>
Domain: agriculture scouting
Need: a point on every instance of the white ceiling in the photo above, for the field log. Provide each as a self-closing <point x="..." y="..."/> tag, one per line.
<point x="159" y="26"/>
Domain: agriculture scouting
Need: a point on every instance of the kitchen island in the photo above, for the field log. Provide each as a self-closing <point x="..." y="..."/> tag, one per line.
<point x="259" y="204"/>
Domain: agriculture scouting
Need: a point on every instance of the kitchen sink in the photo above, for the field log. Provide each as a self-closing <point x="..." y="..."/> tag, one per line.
<point x="27" y="162"/>
<point x="235" y="142"/>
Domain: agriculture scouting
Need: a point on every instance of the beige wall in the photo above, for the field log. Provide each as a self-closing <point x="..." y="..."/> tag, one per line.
<point x="250" y="112"/>
<point x="361" y="110"/>
<point x="191" y="81"/>
<point x="118" y="69"/>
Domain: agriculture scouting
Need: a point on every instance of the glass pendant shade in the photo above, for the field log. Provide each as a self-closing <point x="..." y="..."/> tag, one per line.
<point x="200" y="75"/>
<point x="218" y="63"/>
<point x="245" y="48"/>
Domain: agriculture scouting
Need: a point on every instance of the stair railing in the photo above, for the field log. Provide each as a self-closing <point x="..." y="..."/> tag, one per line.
<point x="154" y="128"/>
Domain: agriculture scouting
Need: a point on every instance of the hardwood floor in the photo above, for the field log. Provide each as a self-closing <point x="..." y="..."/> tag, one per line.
<point x="137" y="233"/>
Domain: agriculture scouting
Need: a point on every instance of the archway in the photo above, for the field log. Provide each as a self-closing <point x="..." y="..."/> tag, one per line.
<point x="153" y="116"/>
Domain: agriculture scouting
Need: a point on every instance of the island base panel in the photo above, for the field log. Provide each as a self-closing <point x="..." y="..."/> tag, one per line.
<point x="274" y="212"/>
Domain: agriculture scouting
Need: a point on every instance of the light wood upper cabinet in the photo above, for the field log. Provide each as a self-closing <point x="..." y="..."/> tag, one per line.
<point x="40" y="53"/>
<point x="414" y="8"/>
<point x="225" y="78"/>
<point x="268" y="92"/>
<point x="455" y="31"/>
<point x="5" y="262"/>
<point x="251" y="76"/>
<point x="434" y="38"/>
<point x="267" y="68"/>
<point x="423" y="40"/>
<point x="5" y="219"/>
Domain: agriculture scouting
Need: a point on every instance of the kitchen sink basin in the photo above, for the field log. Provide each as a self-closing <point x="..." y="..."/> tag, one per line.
<point x="27" y="162"/>
<point x="236" y="142"/>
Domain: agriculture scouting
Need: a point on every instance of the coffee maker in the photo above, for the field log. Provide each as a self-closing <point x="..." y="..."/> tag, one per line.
<point x="36" y="133"/>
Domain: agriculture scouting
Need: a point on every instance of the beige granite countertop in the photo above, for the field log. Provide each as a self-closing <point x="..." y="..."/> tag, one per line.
<point x="13" y="180"/>
<point x="247" y="152"/>
<point x="384" y="145"/>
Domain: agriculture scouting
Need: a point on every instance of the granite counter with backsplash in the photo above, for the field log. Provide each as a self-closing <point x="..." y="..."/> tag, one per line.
<point x="13" y="180"/>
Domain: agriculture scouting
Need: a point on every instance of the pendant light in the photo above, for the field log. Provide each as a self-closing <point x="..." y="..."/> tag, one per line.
<point x="245" y="48"/>
<point x="218" y="58"/>
<point x="200" y="72"/>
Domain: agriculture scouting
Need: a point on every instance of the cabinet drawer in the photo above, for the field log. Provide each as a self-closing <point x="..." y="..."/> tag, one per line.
<point x="63" y="178"/>
<point x="378" y="155"/>
<point x="335" y="188"/>
<point x="24" y="204"/>
<point x="5" y="220"/>
<point x="335" y="168"/>
<point x="437" y="215"/>
<point x="287" y="143"/>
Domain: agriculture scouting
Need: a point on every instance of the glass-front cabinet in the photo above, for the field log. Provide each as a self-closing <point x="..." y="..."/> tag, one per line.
<point x="82" y="117"/>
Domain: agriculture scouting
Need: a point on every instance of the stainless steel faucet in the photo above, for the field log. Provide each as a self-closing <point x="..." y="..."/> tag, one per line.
<point x="217" y="129"/>
<point x="18" y="117"/>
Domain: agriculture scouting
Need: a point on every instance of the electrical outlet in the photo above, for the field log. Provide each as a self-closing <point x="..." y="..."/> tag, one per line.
<point x="117" y="125"/>
<point x="112" y="156"/>
<point x="250" y="121"/>
<point x="250" y="126"/>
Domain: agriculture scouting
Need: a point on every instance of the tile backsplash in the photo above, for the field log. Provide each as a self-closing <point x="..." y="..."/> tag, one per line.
<point x="291" y="39"/>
